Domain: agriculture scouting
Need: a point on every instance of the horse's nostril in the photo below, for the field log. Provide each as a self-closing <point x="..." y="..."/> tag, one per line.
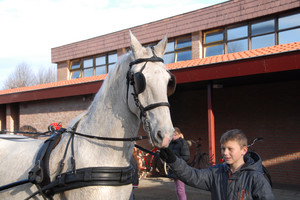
<point x="159" y="135"/>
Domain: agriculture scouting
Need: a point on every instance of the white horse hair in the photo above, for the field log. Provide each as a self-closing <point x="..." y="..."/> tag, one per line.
<point x="111" y="114"/>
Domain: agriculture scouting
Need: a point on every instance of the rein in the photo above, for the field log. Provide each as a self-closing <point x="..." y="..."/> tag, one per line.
<point x="109" y="138"/>
<point x="46" y="133"/>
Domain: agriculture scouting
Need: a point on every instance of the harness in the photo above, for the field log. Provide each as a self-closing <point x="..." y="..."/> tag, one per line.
<point x="76" y="178"/>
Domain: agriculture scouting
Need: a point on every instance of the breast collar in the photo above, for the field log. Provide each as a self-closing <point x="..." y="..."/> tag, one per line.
<point x="76" y="178"/>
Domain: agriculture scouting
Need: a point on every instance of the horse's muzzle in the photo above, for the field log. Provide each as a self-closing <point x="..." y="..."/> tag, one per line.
<point x="162" y="140"/>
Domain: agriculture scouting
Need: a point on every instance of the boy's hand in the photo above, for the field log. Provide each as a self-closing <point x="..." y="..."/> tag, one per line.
<point x="167" y="155"/>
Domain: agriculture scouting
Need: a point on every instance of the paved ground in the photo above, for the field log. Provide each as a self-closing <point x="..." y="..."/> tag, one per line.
<point x="163" y="188"/>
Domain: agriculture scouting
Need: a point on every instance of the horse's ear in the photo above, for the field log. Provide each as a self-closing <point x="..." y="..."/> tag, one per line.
<point x="160" y="48"/>
<point x="135" y="46"/>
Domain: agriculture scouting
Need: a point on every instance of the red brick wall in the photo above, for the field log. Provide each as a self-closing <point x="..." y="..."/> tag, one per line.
<point x="40" y="114"/>
<point x="269" y="110"/>
<point x="62" y="71"/>
<point x="2" y="117"/>
<point x="14" y="112"/>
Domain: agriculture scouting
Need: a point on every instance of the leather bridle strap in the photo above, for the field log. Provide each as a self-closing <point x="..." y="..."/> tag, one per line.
<point x="140" y="60"/>
<point x="152" y="106"/>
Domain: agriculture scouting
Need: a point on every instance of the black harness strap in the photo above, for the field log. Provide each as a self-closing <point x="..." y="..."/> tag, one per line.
<point x="11" y="185"/>
<point x="93" y="176"/>
<point x="39" y="173"/>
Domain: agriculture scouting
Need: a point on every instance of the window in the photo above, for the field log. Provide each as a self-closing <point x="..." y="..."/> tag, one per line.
<point x="169" y="56"/>
<point x="289" y="21"/>
<point x="238" y="45"/>
<point x="88" y="69"/>
<point x="263" y="34"/>
<point x="263" y="41"/>
<point x="253" y="35"/>
<point x="237" y="39"/>
<point x="263" y="27"/>
<point x="214" y="36"/>
<point x="237" y="32"/>
<point x="178" y="50"/>
<point x="214" y="42"/>
<point x="289" y="36"/>
<point x="93" y="66"/>
<point x="112" y="59"/>
<point x="100" y="65"/>
<point x="214" y="50"/>
<point x="75" y="69"/>
<point x="289" y="28"/>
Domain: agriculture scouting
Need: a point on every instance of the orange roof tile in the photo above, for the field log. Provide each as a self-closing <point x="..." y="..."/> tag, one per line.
<point x="173" y="66"/>
<point x="55" y="84"/>
<point x="236" y="56"/>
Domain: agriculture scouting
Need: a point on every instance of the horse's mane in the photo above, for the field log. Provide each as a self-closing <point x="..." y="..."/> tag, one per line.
<point x="118" y="74"/>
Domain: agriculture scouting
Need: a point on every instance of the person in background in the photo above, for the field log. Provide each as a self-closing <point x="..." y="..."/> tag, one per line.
<point x="135" y="178"/>
<point x="240" y="177"/>
<point x="180" y="148"/>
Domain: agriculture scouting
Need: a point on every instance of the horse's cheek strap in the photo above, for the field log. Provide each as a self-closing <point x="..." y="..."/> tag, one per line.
<point x="155" y="105"/>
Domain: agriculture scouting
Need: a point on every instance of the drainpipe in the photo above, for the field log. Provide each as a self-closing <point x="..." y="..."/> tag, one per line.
<point x="211" y="126"/>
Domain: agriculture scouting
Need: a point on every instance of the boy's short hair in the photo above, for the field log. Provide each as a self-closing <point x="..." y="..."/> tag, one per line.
<point x="234" y="134"/>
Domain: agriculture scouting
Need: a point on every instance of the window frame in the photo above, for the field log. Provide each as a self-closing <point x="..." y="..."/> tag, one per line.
<point x="81" y="67"/>
<point x="72" y="71"/>
<point x="249" y="37"/>
<point x="176" y="50"/>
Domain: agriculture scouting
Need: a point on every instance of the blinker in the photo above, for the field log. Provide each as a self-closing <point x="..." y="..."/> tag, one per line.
<point x="139" y="82"/>
<point x="171" y="85"/>
<point x="138" y="79"/>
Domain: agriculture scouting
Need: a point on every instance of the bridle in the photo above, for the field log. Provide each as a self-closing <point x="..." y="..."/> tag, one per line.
<point x="138" y="82"/>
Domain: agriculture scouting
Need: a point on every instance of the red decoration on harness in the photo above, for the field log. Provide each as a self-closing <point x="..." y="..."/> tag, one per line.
<point x="55" y="126"/>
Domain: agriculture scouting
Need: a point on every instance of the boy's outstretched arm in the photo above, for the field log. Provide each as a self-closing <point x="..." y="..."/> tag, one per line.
<point x="199" y="178"/>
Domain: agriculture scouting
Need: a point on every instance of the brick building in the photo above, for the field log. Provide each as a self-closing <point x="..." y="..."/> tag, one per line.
<point x="237" y="65"/>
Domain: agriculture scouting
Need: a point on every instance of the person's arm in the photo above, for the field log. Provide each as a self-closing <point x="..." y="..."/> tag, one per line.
<point x="191" y="176"/>
<point x="261" y="189"/>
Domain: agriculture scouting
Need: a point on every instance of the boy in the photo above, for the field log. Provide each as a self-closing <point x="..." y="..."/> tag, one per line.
<point x="240" y="177"/>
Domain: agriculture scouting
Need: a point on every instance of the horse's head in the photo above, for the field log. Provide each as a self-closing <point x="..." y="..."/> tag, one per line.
<point x="150" y="84"/>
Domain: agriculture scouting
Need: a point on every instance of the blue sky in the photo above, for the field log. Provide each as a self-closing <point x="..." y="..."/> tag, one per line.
<point x="29" y="29"/>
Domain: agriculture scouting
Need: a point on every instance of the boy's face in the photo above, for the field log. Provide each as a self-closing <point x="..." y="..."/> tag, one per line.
<point x="233" y="153"/>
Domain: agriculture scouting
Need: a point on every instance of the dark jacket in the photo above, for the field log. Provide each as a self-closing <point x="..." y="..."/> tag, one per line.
<point x="245" y="184"/>
<point x="181" y="149"/>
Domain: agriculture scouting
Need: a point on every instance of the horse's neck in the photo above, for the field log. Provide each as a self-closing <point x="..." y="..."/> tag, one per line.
<point x="108" y="116"/>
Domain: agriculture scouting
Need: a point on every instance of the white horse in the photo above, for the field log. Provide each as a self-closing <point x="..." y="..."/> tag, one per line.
<point x="113" y="113"/>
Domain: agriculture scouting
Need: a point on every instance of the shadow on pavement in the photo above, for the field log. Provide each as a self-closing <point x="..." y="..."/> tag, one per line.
<point x="160" y="188"/>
